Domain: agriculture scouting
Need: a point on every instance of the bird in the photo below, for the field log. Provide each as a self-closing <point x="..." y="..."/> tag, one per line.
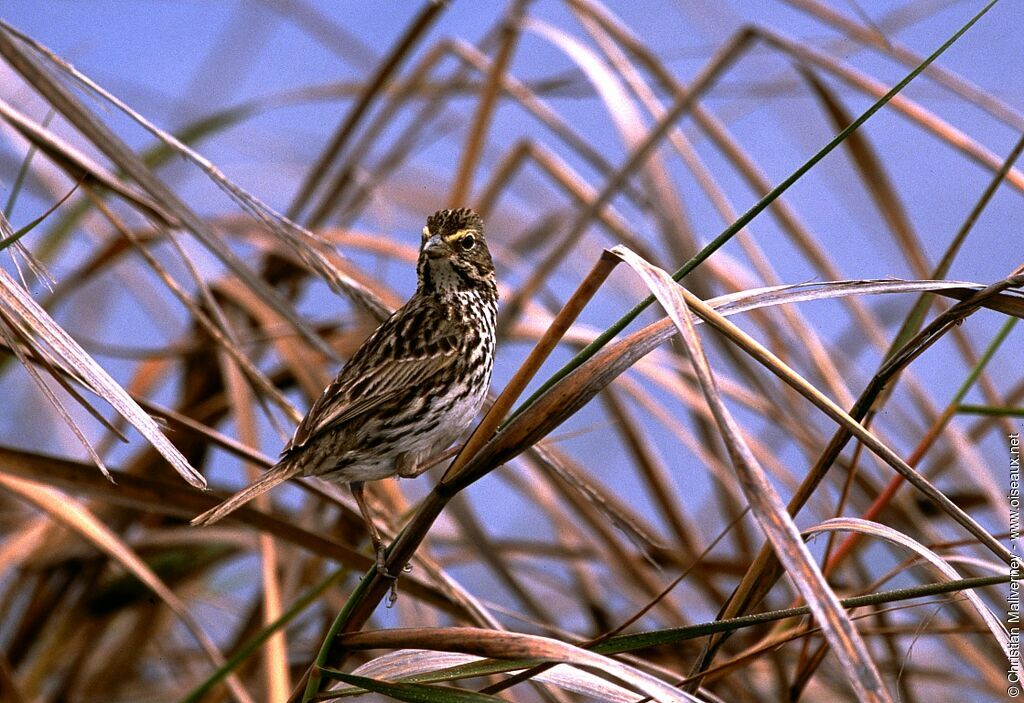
<point x="412" y="388"/>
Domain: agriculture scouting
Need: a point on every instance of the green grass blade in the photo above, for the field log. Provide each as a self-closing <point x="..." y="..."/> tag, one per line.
<point x="412" y="692"/>
<point x="262" y="636"/>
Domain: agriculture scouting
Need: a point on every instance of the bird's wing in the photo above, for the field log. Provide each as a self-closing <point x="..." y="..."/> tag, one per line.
<point x="405" y="352"/>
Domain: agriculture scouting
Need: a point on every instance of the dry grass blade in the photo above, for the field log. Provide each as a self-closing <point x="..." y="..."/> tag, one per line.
<point x="13" y="237"/>
<point x="776" y="366"/>
<point x="20" y="251"/>
<point x="617" y="101"/>
<point x="8" y="330"/>
<point x="1008" y="301"/>
<point x="300" y="241"/>
<point x="409" y="663"/>
<point x="954" y="82"/>
<point x="77" y="165"/>
<point x="78" y="519"/>
<point x="414" y="32"/>
<point x="275" y="654"/>
<point x="912" y="110"/>
<point x="121" y="155"/>
<point x="512" y="645"/>
<point x="766" y="505"/>
<point x="874" y="529"/>
<point x="38" y="322"/>
<point x="508" y="35"/>
<point x="618" y="526"/>
<point x="873" y="176"/>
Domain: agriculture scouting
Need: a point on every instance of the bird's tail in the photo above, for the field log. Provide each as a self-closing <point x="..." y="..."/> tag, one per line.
<point x="279" y="474"/>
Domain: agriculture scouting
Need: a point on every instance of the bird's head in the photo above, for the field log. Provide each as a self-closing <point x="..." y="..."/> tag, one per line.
<point x="453" y="254"/>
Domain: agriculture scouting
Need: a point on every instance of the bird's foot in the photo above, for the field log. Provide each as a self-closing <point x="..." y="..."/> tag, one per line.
<point x="382" y="569"/>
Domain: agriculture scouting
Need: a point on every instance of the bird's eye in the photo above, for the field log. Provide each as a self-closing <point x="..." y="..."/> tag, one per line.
<point x="467" y="242"/>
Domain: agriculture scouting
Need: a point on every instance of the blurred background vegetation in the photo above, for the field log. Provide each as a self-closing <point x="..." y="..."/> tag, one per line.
<point x="208" y="206"/>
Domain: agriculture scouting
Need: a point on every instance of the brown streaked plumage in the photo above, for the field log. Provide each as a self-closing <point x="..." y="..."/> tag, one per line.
<point x="412" y="387"/>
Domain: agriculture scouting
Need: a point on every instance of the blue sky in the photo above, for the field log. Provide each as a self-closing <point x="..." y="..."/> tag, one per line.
<point x="177" y="61"/>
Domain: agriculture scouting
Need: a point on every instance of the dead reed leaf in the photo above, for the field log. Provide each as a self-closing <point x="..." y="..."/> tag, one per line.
<point x="765" y="503"/>
<point x="38" y="323"/>
<point x="513" y="645"/>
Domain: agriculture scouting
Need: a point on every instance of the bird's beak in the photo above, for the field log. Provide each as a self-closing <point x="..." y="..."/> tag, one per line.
<point x="436" y="248"/>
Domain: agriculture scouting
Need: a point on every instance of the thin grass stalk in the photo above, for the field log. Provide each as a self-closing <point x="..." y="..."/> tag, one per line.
<point x="945" y="77"/>
<point x="638" y="155"/>
<point x="125" y="159"/>
<point x="655" y="474"/>
<point x="540" y="109"/>
<point x="766" y="505"/>
<point x="926" y="442"/>
<point x="267" y="631"/>
<point x="275" y="655"/>
<point x="392" y="62"/>
<point x="624" y="643"/>
<point x="760" y="575"/>
<point x="507" y="38"/>
<point x="566" y="178"/>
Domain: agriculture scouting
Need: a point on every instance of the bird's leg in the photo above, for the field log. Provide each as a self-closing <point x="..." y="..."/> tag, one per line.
<point x="408" y="465"/>
<point x="378" y="544"/>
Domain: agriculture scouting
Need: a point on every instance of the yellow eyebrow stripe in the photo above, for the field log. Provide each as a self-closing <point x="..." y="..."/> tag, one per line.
<point x="458" y="235"/>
